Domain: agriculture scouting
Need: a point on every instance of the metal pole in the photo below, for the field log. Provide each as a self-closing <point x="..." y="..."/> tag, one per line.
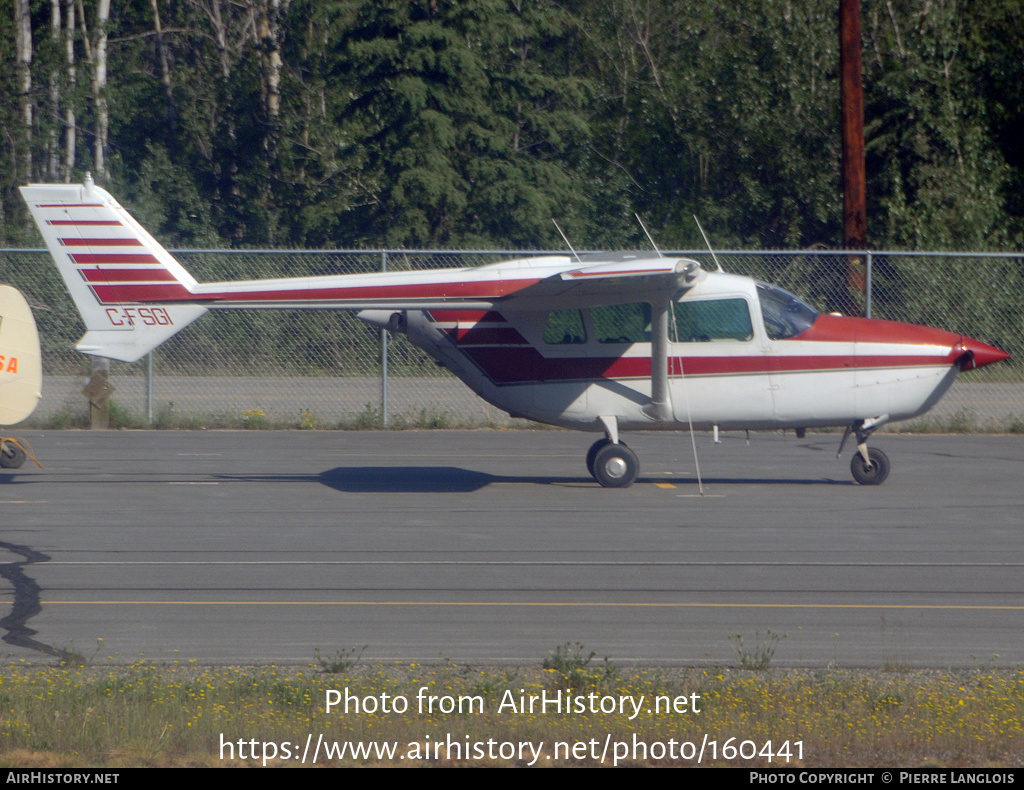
<point x="149" y="387"/>
<point x="867" y="290"/>
<point x="384" y="357"/>
<point x="851" y="99"/>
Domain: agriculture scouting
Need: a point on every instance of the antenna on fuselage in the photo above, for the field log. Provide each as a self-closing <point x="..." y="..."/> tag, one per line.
<point x="702" y="233"/>
<point x="566" y="240"/>
<point x="648" y="235"/>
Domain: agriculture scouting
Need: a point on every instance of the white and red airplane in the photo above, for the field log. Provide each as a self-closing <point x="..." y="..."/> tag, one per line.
<point x="606" y="343"/>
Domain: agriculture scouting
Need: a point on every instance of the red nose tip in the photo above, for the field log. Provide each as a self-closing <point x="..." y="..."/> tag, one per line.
<point x="977" y="354"/>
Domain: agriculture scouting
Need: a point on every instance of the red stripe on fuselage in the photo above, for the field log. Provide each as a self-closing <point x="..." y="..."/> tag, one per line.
<point x="528" y="366"/>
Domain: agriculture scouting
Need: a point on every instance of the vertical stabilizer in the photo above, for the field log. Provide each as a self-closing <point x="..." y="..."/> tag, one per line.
<point x="131" y="293"/>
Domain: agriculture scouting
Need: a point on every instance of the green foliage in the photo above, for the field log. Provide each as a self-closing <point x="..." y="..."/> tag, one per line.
<point x="460" y="127"/>
<point x="368" y="419"/>
<point x="759" y="656"/>
<point x="937" y="169"/>
<point x="473" y="123"/>
<point x="339" y="663"/>
<point x="571" y="664"/>
<point x="254" y="419"/>
<point x="568" y="658"/>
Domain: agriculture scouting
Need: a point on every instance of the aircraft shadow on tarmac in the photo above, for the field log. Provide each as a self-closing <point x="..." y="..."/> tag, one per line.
<point x="453" y="479"/>
<point x="414" y="479"/>
<point x="447" y="479"/>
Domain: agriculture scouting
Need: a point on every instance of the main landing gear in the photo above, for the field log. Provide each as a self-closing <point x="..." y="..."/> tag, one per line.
<point x="870" y="467"/>
<point x="612" y="465"/>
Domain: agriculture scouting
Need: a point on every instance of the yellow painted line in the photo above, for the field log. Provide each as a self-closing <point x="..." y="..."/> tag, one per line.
<point x="665" y="485"/>
<point x="651" y="605"/>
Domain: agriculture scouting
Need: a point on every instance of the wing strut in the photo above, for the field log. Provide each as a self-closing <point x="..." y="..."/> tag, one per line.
<point x="660" y="407"/>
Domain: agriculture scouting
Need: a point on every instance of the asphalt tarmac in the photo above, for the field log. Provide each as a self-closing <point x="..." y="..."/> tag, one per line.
<point x="495" y="546"/>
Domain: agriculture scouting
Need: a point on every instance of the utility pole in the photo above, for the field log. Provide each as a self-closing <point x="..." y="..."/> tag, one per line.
<point x="851" y="98"/>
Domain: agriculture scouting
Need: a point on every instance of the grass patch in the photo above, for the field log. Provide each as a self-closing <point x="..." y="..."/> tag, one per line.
<point x="180" y="713"/>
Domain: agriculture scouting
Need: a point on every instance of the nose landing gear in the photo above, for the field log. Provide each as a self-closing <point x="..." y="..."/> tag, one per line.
<point x="870" y="467"/>
<point x="871" y="472"/>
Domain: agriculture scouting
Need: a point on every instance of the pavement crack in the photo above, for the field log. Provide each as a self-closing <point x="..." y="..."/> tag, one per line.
<point x="26" y="604"/>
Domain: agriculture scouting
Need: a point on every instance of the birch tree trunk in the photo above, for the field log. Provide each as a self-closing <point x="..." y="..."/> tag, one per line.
<point x="165" y="69"/>
<point x="53" y="137"/>
<point x="221" y="37"/>
<point x="23" y="45"/>
<point x="70" y="131"/>
<point x="269" y="34"/>
<point x="99" y="90"/>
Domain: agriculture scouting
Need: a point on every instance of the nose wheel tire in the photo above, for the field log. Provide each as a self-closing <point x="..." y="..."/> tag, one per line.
<point x="873" y="475"/>
<point x="615" y="466"/>
<point x="12" y="456"/>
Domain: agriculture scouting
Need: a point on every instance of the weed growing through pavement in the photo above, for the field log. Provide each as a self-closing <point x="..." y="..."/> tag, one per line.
<point x="758" y="657"/>
<point x="341" y="662"/>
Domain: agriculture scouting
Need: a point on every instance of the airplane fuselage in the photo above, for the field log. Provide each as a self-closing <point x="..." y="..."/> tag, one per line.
<point x="733" y="374"/>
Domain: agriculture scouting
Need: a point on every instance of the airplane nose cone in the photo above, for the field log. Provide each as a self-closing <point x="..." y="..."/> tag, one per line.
<point x="977" y="354"/>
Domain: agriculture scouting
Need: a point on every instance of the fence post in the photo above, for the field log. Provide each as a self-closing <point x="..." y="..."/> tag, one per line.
<point x="98" y="390"/>
<point x="867" y="289"/>
<point x="384" y="357"/>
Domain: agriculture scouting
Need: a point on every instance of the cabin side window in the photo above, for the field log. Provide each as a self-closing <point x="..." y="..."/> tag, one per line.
<point x="622" y="323"/>
<point x="713" y="319"/>
<point x="564" y="327"/>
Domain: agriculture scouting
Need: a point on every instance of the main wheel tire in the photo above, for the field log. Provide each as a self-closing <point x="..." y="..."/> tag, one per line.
<point x="592" y="453"/>
<point x="873" y="475"/>
<point x="12" y="456"/>
<point x="615" y="466"/>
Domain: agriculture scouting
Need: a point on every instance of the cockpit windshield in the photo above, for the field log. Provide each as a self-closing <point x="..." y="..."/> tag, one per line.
<point x="784" y="315"/>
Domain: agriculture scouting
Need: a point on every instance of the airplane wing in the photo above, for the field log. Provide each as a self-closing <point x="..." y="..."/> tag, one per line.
<point x="543" y="283"/>
<point x="603" y="280"/>
<point x="133" y="295"/>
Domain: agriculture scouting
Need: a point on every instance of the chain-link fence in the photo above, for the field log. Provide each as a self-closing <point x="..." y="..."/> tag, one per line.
<point x="323" y="369"/>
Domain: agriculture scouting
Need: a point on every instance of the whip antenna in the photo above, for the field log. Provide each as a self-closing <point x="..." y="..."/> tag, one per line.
<point x="702" y="233"/>
<point x="649" y="238"/>
<point x="566" y="240"/>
